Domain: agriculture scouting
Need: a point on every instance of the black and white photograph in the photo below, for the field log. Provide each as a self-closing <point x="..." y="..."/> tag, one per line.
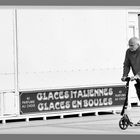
<point x="70" y="70"/>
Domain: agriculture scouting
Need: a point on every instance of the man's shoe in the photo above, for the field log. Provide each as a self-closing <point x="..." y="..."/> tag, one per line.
<point x="137" y="124"/>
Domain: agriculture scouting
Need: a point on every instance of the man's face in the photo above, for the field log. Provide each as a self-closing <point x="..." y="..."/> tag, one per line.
<point x="133" y="46"/>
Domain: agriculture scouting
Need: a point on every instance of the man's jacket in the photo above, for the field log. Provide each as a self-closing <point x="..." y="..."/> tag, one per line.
<point x="132" y="60"/>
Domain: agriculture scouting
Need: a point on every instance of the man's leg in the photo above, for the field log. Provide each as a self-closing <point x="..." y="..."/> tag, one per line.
<point x="137" y="86"/>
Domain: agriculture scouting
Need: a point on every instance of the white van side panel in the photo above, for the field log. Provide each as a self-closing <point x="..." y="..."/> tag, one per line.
<point x="6" y="50"/>
<point x="70" y="47"/>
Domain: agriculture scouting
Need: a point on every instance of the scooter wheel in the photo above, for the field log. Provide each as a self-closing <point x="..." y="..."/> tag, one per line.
<point x="123" y="123"/>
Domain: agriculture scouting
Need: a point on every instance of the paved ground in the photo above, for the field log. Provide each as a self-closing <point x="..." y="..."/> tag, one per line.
<point x="102" y="124"/>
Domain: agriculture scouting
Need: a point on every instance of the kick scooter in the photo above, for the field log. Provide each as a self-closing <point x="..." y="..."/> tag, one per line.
<point x="125" y="121"/>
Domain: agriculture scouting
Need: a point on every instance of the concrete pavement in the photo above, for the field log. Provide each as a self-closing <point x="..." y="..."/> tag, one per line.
<point x="101" y="124"/>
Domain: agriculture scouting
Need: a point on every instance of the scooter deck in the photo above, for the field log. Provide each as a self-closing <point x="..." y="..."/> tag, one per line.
<point x="136" y="124"/>
<point x="133" y="124"/>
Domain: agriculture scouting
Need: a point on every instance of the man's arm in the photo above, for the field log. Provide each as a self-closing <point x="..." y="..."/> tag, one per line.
<point x="126" y="65"/>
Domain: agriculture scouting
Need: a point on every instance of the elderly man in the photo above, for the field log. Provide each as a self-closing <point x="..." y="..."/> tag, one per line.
<point x="132" y="61"/>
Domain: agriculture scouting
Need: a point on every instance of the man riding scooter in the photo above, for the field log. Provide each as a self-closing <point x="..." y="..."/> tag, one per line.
<point x="132" y="61"/>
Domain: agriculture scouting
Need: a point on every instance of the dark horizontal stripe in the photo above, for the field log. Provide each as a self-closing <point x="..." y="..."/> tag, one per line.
<point x="70" y="2"/>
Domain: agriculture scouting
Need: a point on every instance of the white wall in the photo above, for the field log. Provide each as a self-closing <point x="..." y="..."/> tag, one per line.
<point x="6" y="50"/>
<point x="62" y="47"/>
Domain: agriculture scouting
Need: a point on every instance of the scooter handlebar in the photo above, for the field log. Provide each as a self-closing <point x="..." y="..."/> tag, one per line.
<point x="127" y="79"/>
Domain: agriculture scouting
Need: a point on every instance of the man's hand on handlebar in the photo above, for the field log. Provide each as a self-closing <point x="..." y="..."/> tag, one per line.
<point x="123" y="79"/>
<point x="134" y="77"/>
<point x="131" y="78"/>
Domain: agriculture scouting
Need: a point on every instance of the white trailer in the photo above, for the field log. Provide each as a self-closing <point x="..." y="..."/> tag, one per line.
<point x="62" y="48"/>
